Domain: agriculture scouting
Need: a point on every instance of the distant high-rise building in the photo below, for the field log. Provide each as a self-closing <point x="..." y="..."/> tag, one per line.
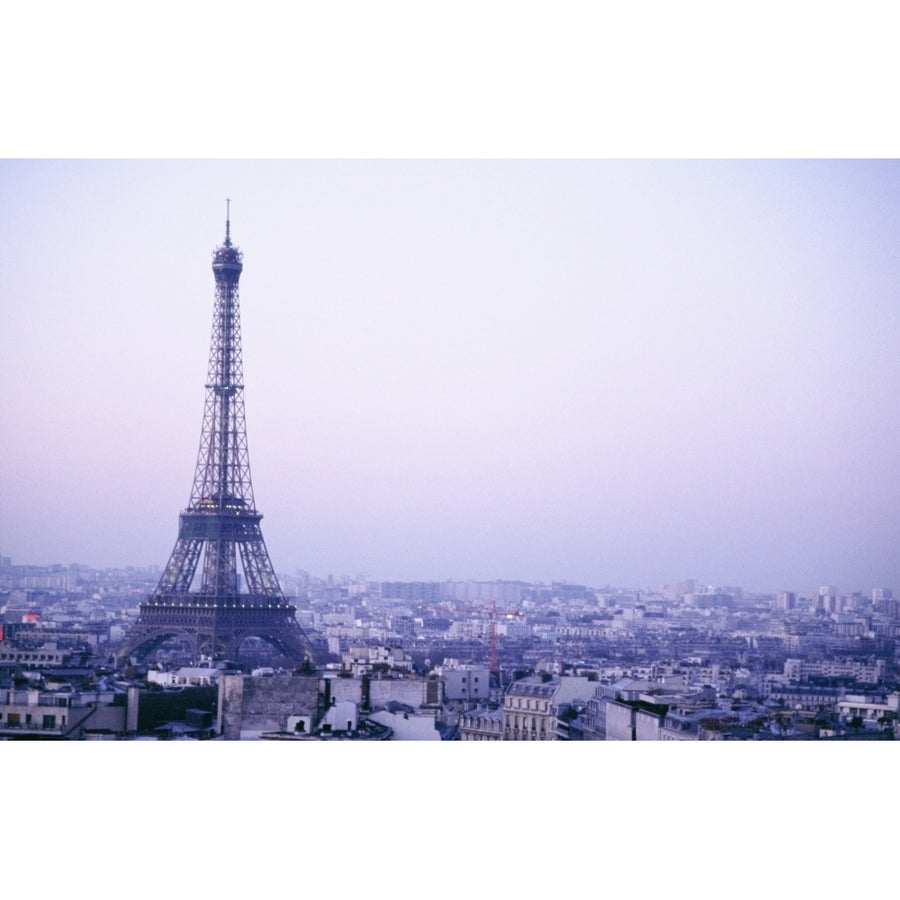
<point x="787" y="601"/>
<point x="827" y="599"/>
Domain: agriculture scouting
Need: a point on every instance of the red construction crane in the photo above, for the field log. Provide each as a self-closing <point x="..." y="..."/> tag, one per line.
<point x="492" y="613"/>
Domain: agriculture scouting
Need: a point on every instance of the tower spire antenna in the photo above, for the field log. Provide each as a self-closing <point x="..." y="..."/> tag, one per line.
<point x="227" y="221"/>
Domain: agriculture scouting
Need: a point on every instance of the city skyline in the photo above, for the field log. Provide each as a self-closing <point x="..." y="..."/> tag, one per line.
<point x="362" y="81"/>
<point x="601" y="372"/>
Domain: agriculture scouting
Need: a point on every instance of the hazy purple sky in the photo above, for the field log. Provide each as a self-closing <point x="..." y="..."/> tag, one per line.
<point x="605" y="372"/>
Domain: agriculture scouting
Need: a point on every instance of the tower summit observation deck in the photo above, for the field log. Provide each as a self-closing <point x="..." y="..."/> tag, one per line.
<point x="199" y="600"/>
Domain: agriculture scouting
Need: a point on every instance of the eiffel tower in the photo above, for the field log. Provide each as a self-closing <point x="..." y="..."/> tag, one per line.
<point x="202" y="605"/>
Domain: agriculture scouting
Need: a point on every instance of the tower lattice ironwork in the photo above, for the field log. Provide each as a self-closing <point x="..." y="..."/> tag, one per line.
<point x="200" y="598"/>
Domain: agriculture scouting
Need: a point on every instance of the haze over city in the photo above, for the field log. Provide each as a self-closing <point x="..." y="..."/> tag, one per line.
<point x="606" y="372"/>
<point x="599" y="371"/>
